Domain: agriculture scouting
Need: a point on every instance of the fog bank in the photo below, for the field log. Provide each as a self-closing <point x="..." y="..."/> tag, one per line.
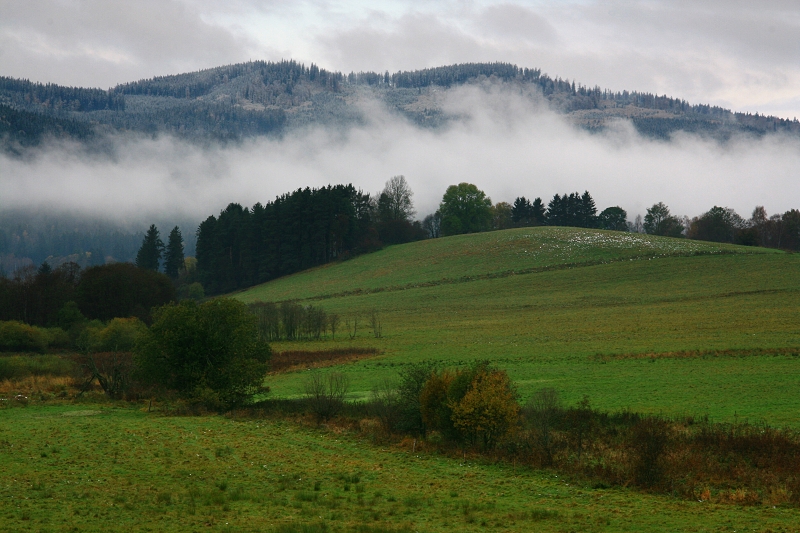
<point x="508" y="144"/>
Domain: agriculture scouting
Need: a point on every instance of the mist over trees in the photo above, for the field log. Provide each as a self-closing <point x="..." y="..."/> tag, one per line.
<point x="258" y="98"/>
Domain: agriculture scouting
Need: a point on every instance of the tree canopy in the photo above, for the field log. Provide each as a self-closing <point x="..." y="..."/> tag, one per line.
<point x="659" y="221"/>
<point x="209" y="352"/>
<point x="465" y="209"/>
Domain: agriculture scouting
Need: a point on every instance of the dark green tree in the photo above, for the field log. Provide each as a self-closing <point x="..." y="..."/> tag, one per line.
<point x="718" y="224"/>
<point x="659" y="221"/>
<point x="522" y="212"/>
<point x="465" y="209"/>
<point x="586" y="216"/>
<point x="613" y="218"/>
<point x="121" y="290"/>
<point x="149" y="255"/>
<point x="173" y="257"/>
<point x="210" y="353"/>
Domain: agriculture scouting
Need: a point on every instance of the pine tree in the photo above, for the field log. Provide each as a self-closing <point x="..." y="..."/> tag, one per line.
<point x="173" y="257"/>
<point x="588" y="211"/>
<point x="152" y="248"/>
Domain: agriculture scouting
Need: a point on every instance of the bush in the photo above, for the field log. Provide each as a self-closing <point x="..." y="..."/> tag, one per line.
<point x="205" y="351"/>
<point x="478" y="404"/>
<point x="542" y="411"/>
<point x="489" y="409"/>
<point x="16" y="367"/>
<point x="325" y="394"/>
<point x="18" y="337"/>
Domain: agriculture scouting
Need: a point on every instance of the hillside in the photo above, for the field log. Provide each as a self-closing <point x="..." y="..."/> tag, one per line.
<point x="646" y="323"/>
<point x="234" y="102"/>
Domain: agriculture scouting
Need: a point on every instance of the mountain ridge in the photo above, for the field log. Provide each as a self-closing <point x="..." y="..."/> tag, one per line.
<point x="259" y="98"/>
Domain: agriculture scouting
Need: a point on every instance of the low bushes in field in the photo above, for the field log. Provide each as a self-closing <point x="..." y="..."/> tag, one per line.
<point x="17" y="367"/>
<point x="476" y="408"/>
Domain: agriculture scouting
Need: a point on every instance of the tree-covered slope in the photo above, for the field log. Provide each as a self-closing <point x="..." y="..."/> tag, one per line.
<point x="233" y="102"/>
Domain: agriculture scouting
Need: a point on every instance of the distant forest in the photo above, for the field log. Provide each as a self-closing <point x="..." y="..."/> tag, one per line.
<point x="31" y="239"/>
<point x="243" y="247"/>
<point x="233" y="102"/>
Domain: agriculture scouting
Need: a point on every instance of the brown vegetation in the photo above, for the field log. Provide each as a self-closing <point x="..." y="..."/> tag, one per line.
<point x="295" y="359"/>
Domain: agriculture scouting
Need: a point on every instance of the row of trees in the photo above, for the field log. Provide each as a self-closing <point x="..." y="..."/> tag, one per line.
<point x="153" y="250"/>
<point x="51" y="296"/>
<point x="466" y="209"/>
<point x="308" y="227"/>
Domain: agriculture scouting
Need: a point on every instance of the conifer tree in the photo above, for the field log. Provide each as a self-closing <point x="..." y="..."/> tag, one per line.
<point x="173" y="257"/>
<point x="152" y="248"/>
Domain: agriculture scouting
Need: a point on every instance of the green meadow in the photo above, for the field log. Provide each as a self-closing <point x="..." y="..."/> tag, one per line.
<point x="99" y="468"/>
<point x="635" y="322"/>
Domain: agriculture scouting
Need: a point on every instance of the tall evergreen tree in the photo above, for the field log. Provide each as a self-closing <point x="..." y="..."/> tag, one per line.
<point x="152" y="248"/>
<point x="173" y="258"/>
<point x="521" y="212"/>
<point x="588" y="211"/>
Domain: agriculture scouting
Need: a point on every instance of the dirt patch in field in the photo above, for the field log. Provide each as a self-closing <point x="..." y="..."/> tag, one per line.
<point x="302" y="359"/>
<point x="694" y="354"/>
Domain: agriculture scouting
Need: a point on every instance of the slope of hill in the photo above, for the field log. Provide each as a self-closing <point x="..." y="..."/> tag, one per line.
<point x="646" y="323"/>
<point x="480" y="256"/>
<point x="263" y="98"/>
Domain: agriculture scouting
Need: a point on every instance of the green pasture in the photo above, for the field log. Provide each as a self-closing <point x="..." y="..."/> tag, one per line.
<point x="568" y="308"/>
<point x="98" y="468"/>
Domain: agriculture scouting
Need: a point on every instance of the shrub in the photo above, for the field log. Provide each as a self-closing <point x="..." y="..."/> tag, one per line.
<point x="18" y="337"/>
<point x="205" y="351"/>
<point x="489" y="409"/>
<point x="16" y="367"/>
<point x="649" y="438"/>
<point x="542" y="411"/>
<point x="325" y="394"/>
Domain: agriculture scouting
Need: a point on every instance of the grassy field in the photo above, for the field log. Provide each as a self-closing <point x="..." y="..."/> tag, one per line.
<point x="99" y="468"/>
<point x="638" y="322"/>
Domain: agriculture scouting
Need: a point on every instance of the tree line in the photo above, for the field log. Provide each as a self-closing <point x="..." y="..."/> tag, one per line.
<point x="308" y="227"/>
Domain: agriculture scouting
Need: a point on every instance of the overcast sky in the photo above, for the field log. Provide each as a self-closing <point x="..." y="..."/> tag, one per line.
<point x="740" y="54"/>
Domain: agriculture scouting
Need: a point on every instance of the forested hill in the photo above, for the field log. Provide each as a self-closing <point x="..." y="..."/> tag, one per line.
<point x="263" y="98"/>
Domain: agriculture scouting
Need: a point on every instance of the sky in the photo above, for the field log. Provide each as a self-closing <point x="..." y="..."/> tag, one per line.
<point x="741" y="55"/>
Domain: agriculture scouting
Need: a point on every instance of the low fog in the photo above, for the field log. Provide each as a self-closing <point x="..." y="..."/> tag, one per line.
<point x="508" y="144"/>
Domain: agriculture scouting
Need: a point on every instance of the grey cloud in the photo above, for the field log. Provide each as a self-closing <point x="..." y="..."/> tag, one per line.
<point x="514" y="21"/>
<point x="100" y="43"/>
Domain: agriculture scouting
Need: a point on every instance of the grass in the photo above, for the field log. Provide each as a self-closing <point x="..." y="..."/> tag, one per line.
<point x="465" y="257"/>
<point x="653" y="325"/>
<point x="585" y="299"/>
<point x="68" y="467"/>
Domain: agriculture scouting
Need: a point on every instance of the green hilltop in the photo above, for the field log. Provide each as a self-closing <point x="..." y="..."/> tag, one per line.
<point x="633" y="321"/>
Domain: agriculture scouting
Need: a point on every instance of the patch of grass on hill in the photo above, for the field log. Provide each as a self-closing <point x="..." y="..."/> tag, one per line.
<point x="481" y="255"/>
<point x="565" y="327"/>
<point x="105" y="469"/>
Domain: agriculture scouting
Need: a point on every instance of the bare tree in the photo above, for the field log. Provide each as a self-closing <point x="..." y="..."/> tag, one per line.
<point x="355" y="327"/>
<point x="325" y="394"/>
<point x="396" y="197"/>
<point x="333" y="322"/>
<point x="375" y="322"/>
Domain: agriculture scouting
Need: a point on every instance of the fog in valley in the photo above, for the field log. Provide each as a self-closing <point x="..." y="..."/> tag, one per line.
<point x="507" y="143"/>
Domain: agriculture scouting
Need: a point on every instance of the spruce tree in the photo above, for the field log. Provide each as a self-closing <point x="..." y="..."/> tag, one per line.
<point x="149" y="254"/>
<point x="173" y="258"/>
